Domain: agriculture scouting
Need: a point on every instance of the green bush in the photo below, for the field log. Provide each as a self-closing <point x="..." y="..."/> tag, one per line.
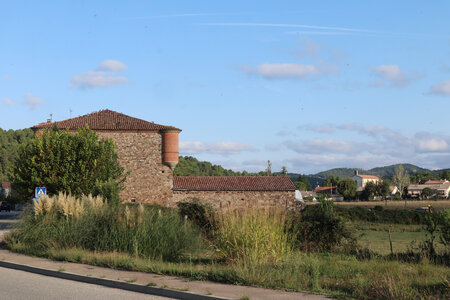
<point x="320" y="228"/>
<point x="199" y="214"/>
<point x="377" y="215"/>
<point x="63" y="222"/>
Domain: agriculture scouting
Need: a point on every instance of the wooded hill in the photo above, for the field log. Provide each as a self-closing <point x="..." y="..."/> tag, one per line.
<point x="10" y="140"/>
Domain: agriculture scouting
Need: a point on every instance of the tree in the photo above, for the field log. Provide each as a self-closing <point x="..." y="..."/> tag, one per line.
<point x="302" y="183"/>
<point x="283" y="171"/>
<point x="331" y="181"/>
<point x="62" y="161"/>
<point x="10" y="142"/>
<point x="383" y="188"/>
<point x="269" y="168"/>
<point x="369" y="191"/>
<point x="427" y="192"/>
<point x="400" y="179"/>
<point x="347" y="188"/>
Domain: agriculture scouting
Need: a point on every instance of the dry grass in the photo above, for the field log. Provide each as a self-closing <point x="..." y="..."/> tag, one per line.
<point x="410" y="204"/>
<point x="252" y="236"/>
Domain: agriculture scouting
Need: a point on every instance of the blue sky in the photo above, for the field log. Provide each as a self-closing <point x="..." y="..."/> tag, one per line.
<point x="308" y="85"/>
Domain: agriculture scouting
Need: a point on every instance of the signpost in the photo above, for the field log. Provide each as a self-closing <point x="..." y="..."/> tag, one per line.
<point x="39" y="192"/>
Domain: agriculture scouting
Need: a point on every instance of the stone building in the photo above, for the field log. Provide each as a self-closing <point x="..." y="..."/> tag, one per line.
<point x="236" y="191"/>
<point x="149" y="152"/>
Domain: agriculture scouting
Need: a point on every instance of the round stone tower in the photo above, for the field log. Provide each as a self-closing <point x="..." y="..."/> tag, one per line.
<point x="170" y="147"/>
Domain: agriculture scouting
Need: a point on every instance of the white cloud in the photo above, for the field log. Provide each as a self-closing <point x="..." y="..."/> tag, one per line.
<point x="318" y="129"/>
<point x="443" y="88"/>
<point x="391" y="74"/>
<point x="112" y="65"/>
<point x="5" y="77"/>
<point x="32" y="101"/>
<point x="105" y="75"/>
<point x="96" y="79"/>
<point x="7" y="102"/>
<point x="221" y="148"/>
<point x="297" y="71"/>
<point x="433" y="145"/>
<point x="369" y="130"/>
<point x="324" y="146"/>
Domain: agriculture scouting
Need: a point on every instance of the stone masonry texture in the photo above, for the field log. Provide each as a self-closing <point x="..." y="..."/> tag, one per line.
<point x="140" y="153"/>
<point x="238" y="199"/>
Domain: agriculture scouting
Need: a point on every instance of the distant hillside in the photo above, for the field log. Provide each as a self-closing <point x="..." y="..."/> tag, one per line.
<point x="388" y="171"/>
<point x="341" y="172"/>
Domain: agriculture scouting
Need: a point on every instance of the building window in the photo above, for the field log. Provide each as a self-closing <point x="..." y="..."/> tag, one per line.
<point x="133" y="200"/>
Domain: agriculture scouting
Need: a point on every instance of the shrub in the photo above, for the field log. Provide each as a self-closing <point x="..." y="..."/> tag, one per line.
<point x="65" y="162"/>
<point x="320" y="228"/>
<point x="252" y="236"/>
<point x="63" y="221"/>
<point x="199" y="214"/>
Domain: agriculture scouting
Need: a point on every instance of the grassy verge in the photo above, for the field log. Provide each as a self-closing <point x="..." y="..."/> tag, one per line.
<point x="295" y="251"/>
<point x="342" y="276"/>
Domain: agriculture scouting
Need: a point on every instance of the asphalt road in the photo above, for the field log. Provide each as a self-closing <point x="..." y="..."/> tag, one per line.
<point x="7" y="221"/>
<point x="23" y="285"/>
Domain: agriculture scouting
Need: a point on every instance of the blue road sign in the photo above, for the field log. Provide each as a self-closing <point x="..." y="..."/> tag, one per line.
<point x="40" y="191"/>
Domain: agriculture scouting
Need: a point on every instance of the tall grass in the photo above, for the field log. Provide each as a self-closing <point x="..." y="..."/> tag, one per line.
<point x="63" y="221"/>
<point x="252" y="236"/>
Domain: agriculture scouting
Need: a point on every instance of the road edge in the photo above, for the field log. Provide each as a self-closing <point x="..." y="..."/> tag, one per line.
<point x="110" y="283"/>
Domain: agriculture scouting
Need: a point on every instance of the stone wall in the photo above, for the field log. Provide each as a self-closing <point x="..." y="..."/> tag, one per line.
<point x="236" y="199"/>
<point x="149" y="181"/>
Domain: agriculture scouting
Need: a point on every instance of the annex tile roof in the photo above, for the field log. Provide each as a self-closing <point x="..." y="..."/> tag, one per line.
<point x="367" y="176"/>
<point x="6" y="185"/>
<point x="233" y="183"/>
<point x="324" y="188"/>
<point x="105" y="120"/>
<point x="437" y="182"/>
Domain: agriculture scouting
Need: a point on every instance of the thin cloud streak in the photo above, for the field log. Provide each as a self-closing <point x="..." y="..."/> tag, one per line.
<point x="288" y="26"/>
<point x="322" y="33"/>
<point x="166" y="16"/>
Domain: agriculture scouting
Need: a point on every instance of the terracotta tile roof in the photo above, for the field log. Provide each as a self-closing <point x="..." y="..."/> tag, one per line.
<point x="368" y="176"/>
<point x="105" y="120"/>
<point x="233" y="183"/>
<point x="324" y="188"/>
<point x="6" y="185"/>
<point x="437" y="182"/>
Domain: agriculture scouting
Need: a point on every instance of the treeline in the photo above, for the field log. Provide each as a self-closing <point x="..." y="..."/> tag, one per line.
<point x="418" y="178"/>
<point x="10" y="140"/>
<point x="190" y="166"/>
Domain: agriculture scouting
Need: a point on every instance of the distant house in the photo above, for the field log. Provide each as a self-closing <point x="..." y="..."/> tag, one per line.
<point x="393" y="190"/>
<point x="5" y="190"/>
<point x="362" y="180"/>
<point x="445" y="181"/>
<point x="330" y="190"/>
<point x="440" y="188"/>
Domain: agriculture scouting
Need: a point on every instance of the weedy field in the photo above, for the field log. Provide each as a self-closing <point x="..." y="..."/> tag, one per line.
<point x="314" y="250"/>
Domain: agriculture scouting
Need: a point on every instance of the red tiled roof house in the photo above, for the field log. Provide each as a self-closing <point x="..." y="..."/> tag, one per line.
<point x="147" y="150"/>
<point x="361" y="180"/>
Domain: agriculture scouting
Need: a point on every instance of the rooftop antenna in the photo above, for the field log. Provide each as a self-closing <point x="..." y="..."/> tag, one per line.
<point x="70" y="112"/>
<point x="51" y="118"/>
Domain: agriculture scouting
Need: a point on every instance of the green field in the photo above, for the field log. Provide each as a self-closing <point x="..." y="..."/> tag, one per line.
<point x="376" y="237"/>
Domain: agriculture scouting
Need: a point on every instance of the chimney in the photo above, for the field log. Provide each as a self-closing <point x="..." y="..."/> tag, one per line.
<point x="356" y="173"/>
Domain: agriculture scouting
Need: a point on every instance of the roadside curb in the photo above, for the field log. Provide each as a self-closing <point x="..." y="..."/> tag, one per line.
<point x="110" y="283"/>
